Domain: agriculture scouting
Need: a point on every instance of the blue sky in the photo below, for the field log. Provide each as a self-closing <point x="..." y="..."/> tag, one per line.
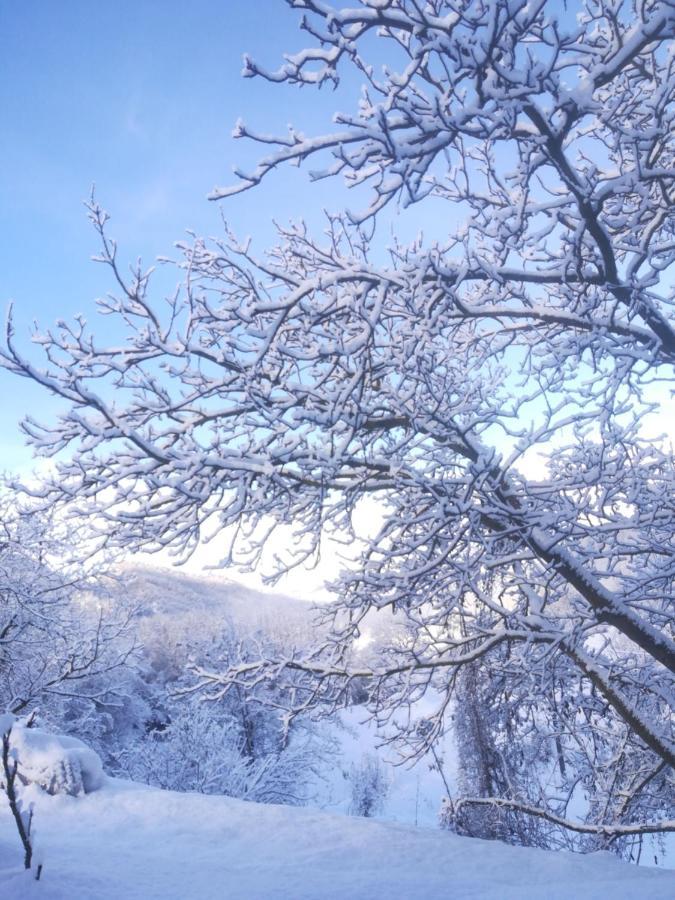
<point x="139" y="98"/>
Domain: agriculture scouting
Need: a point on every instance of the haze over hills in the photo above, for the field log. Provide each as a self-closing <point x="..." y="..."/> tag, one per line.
<point x="173" y="594"/>
<point x="161" y="590"/>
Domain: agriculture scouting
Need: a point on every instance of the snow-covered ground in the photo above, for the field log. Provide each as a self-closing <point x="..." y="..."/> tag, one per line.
<point x="127" y="842"/>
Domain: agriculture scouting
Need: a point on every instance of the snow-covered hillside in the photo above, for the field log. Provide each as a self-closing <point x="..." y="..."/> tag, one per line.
<point x="173" y="603"/>
<point x="209" y="598"/>
<point x="165" y="591"/>
<point x="127" y="841"/>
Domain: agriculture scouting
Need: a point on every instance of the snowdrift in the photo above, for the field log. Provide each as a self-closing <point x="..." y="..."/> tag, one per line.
<point x="138" y="843"/>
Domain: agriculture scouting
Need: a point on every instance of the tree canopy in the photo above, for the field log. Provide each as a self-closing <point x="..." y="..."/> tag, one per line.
<point x="494" y="391"/>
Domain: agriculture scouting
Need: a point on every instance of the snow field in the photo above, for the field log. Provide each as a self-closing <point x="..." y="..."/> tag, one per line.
<point x="137" y="843"/>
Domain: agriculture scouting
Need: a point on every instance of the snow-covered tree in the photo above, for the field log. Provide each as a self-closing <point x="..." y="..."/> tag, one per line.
<point x="61" y="645"/>
<point x="491" y="391"/>
<point x="203" y="749"/>
<point x="238" y="744"/>
<point x="369" y="786"/>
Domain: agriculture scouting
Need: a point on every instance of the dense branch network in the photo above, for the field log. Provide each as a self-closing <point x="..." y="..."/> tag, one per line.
<point x="297" y="386"/>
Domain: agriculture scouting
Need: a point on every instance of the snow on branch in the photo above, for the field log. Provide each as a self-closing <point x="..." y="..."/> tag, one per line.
<point x="488" y="402"/>
<point x="609" y="832"/>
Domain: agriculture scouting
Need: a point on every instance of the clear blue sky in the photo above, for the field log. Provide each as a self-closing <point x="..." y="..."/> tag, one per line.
<point x="139" y="98"/>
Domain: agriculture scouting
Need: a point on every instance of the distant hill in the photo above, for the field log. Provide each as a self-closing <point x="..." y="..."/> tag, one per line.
<point x="169" y="592"/>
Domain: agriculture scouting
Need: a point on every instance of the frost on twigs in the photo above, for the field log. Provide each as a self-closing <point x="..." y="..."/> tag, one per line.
<point x="9" y="775"/>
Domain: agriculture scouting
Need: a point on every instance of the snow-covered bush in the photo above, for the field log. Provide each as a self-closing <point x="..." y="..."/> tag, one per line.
<point x="57" y="763"/>
<point x="202" y="749"/>
<point x="236" y="745"/>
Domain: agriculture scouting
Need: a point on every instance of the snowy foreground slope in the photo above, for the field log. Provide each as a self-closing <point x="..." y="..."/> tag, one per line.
<point x="137" y="843"/>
